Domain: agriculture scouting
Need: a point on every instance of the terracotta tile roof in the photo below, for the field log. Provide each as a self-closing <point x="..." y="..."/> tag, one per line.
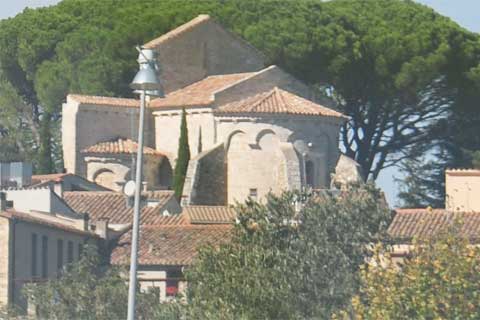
<point x="170" y="245"/>
<point x="113" y="205"/>
<point x="178" y="31"/>
<point x="104" y="101"/>
<point x="12" y="214"/>
<point x="277" y="101"/>
<point x="54" y="177"/>
<point x="210" y="214"/>
<point x="200" y="93"/>
<point x="462" y="172"/>
<point x="124" y="146"/>
<point x="410" y="223"/>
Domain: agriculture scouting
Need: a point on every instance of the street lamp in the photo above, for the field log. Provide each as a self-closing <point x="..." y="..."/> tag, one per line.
<point x="146" y="82"/>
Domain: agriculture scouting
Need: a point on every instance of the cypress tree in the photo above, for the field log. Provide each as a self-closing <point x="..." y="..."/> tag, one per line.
<point x="200" y="147"/>
<point x="183" y="157"/>
<point x="45" y="161"/>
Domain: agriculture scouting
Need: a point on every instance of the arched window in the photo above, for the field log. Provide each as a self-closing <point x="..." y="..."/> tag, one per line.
<point x="165" y="174"/>
<point x="310" y="173"/>
<point x="106" y="178"/>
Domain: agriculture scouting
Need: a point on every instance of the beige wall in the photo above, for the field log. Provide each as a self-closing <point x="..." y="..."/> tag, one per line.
<point x="167" y="127"/>
<point x="23" y="254"/>
<point x="267" y="154"/>
<point x="113" y="171"/>
<point x="205" y="50"/>
<point x="5" y="243"/>
<point x="85" y="125"/>
<point x="462" y="190"/>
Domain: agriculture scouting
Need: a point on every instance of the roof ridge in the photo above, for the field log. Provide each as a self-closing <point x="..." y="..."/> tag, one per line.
<point x="198" y="20"/>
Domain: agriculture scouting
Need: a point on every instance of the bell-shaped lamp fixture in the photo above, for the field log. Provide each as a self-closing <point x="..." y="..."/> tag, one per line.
<point x="146" y="78"/>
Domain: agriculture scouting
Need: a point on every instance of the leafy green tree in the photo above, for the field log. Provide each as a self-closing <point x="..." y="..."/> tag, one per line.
<point x="89" y="289"/>
<point x="294" y="257"/>
<point x="395" y="67"/>
<point x="183" y="157"/>
<point x="441" y="280"/>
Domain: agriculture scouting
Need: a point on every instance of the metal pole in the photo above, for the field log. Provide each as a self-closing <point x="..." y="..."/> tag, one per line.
<point x="136" y="213"/>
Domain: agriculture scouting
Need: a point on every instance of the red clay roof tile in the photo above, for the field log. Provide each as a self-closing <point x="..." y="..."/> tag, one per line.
<point x="120" y="146"/>
<point x="277" y="101"/>
<point x="170" y="245"/>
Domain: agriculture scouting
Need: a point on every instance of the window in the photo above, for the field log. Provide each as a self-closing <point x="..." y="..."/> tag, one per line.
<point x="253" y="193"/>
<point x="44" y="256"/>
<point x="80" y="250"/>
<point x="70" y="252"/>
<point x="310" y="173"/>
<point x="59" y="254"/>
<point x="34" y="255"/>
<point x="173" y="278"/>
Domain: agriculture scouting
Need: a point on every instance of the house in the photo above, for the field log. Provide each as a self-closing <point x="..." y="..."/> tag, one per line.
<point x="461" y="206"/>
<point x="260" y="129"/>
<point x="170" y="245"/>
<point x="39" y="235"/>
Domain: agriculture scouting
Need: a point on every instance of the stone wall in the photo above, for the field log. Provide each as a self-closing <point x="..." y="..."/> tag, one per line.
<point x="205" y="183"/>
<point x="262" y="81"/>
<point x="203" y="50"/>
<point x="85" y="125"/>
<point x="5" y="250"/>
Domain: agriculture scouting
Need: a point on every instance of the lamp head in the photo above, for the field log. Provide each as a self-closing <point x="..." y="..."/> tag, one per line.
<point x="146" y="77"/>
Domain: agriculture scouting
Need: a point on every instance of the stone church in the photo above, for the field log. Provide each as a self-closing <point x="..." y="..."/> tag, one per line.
<point x="252" y="128"/>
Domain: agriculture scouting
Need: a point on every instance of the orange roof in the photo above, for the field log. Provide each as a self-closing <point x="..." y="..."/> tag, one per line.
<point x="210" y="214"/>
<point x="277" y="101"/>
<point x="113" y="206"/>
<point x="106" y="101"/>
<point x="410" y="223"/>
<point x="55" y="177"/>
<point x="119" y="146"/>
<point x="170" y="245"/>
<point x="12" y="214"/>
<point x="200" y="93"/>
<point x="463" y="172"/>
<point x="178" y="31"/>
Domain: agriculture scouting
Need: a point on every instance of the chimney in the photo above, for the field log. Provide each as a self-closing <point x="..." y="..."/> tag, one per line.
<point x="101" y="228"/>
<point x="3" y="201"/>
<point x="144" y="185"/>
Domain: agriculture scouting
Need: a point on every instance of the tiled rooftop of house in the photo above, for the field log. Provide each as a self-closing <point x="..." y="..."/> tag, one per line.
<point x="113" y="206"/>
<point x="25" y="217"/>
<point x="210" y="214"/>
<point x="170" y="245"/>
<point x="105" y="101"/>
<point x="119" y="146"/>
<point x="200" y="93"/>
<point x="178" y="31"/>
<point x="277" y="101"/>
<point x="422" y="223"/>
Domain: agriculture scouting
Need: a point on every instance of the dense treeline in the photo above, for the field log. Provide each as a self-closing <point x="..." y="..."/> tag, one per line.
<point x="406" y="76"/>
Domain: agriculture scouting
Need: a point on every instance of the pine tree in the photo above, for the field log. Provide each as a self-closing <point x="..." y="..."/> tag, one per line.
<point x="183" y="157"/>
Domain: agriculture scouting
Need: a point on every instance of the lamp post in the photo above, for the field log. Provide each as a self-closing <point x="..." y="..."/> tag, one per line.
<point x="146" y="82"/>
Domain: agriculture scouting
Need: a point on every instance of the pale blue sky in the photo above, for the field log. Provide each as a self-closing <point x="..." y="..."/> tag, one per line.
<point x="464" y="12"/>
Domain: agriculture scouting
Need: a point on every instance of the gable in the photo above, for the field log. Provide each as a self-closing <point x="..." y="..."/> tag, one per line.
<point x="201" y="48"/>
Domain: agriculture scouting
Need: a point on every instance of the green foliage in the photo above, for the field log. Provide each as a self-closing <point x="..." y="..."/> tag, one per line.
<point x="89" y="289"/>
<point x="441" y="280"/>
<point x="284" y="263"/>
<point x="183" y="157"/>
<point x="45" y="161"/>
<point x="395" y="67"/>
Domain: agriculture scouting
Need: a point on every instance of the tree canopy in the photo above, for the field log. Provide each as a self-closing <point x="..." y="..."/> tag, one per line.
<point x="402" y="72"/>
<point x="295" y="257"/>
<point x="440" y="280"/>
